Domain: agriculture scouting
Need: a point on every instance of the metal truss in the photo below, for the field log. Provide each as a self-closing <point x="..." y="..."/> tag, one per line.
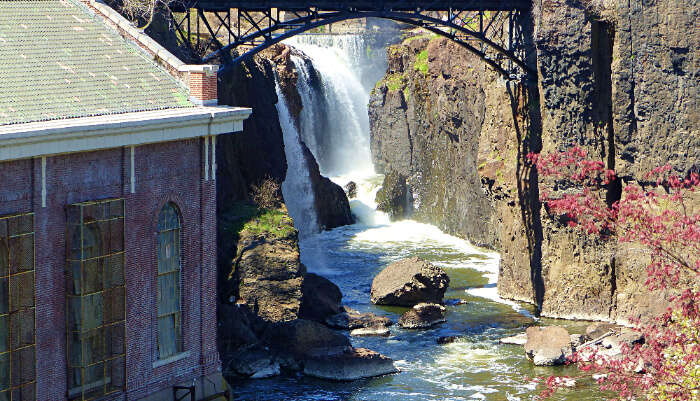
<point x="491" y="29"/>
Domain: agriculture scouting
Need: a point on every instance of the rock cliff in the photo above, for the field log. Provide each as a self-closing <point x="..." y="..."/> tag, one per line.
<point x="615" y="77"/>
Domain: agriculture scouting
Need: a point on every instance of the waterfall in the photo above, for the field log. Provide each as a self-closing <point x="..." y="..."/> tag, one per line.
<point x="335" y="88"/>
<point x="296" y="188"/>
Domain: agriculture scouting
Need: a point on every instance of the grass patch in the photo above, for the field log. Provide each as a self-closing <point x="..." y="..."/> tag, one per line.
<point x="243" y="217"/>
<point x="395" y="82"/>
<point x="421" y="63"/>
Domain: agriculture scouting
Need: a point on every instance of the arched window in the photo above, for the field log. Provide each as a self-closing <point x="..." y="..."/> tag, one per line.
<point x="169" y="314"/>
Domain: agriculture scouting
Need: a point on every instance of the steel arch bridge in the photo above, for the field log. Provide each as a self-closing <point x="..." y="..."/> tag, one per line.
<point x="491" y="29"/>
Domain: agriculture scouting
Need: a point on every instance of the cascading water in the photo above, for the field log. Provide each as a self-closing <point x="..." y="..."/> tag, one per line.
<point x="334" y="125"/>
<point x="296" y="188"/>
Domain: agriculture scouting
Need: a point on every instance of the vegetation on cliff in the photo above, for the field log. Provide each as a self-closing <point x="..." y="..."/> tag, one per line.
<point x="661" y="221"/>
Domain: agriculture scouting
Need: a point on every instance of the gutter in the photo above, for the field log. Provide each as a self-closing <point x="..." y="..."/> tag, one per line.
<point x="113" y="131"/>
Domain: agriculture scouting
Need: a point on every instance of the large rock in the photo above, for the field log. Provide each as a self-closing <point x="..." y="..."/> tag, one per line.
<point x="549" y="345"/>
<point x="409" y="282"/>
<point x="350" y="319"/>
<point x="269" y="276"/>
<point x="352" y="364"/>
<point x="372" y="331"/>
<point x="422" y="316"/>
<point x="395" y="197"/>
<point x="330" y="201"/>
<point x="320" y="298"/>
<point x="305" y="338"/>
<point x="253" y="363"/>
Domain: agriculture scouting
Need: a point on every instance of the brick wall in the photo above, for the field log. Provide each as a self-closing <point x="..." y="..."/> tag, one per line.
<point x="203" y="87"/>
<point x="168" y="172"/>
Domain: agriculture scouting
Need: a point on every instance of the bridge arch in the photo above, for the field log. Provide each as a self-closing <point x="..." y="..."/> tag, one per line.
<point x="492" y="30"/>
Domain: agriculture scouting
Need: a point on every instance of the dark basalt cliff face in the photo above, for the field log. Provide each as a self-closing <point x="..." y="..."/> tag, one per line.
<point x="613" y="77"/>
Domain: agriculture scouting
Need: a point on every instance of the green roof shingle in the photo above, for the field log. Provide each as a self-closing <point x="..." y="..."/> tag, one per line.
<point x="58" y="61"/>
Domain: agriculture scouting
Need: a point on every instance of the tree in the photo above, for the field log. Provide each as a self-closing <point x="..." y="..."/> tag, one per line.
<point x="658" y="215"/>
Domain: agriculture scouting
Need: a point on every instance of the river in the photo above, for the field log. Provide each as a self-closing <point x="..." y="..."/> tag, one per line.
<point x="334" y="124"/>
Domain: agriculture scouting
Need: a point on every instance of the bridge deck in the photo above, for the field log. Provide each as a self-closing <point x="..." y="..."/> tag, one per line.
<point x="361" y="5"/>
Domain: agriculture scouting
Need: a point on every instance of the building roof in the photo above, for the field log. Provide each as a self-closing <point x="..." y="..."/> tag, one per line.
<point x="58" y="60"/>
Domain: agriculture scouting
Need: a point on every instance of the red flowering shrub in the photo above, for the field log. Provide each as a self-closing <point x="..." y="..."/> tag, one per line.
<point x="659" y="217"/>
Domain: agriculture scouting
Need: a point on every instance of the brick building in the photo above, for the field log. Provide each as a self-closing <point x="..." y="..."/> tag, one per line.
<point x="107" y="209"/>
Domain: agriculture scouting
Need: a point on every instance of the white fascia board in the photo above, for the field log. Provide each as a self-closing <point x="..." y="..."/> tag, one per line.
<point x="24" y="141"/>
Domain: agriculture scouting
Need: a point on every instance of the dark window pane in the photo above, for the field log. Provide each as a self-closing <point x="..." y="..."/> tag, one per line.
<point x="116" y="208"/>
<point x="114" y="340"/>
<point x="116" y="236"/>
<point x="21" y="291"/>
<point x="94" y="346"/>
<point x="4" y="296"/>
<point x="4" y="371"/>
<point x="92" y="309"/>
<point x="22" y="328"/>
<point x="168" y="293"/>
<point x="4" y="333"/>
<point x="21" y="253"/>
<point x="4" y="256"/>
<point x="114" y="305"/>
<point x="75" y="357"/>
<point x="73" y="278"/>
<point x="23" y="366"/>
<point x="167" y="339"/>
<point x="26" y="223"/>
<point x="92" y="275"/>
<point x="115" y="372"/>
<point x="114" y="271"/>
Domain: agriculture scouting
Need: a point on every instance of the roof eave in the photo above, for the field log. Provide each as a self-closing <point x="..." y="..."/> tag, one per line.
<point x="48" y="138"/>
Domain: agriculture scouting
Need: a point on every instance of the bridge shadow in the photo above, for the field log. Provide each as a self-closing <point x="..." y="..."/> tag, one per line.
<point x="527" y="121"/>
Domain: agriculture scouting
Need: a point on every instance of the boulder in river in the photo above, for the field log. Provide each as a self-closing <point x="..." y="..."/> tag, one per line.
<point x="549" y="345"/>
<point x="350" y="319"/>
<point x="320" y="298"/>
<point x="422" y="316"/>
<point x="306" y="338"/>
<point x="409" y="282"/>
<point x="353" y="364"/>
<point x="253" y="363"/>
<point x="351" y="189"/>
<point x="447" y="339"/>
<point x="380" y="331"/>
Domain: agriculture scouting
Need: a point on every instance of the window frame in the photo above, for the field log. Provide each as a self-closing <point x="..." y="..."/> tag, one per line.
<point x="180" y="350"/>
<point x="106" y="288"/>
<point x="9" y="277"/>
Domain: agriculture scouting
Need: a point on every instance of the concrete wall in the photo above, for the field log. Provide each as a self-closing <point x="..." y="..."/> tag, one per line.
<point x="168" y="172"/>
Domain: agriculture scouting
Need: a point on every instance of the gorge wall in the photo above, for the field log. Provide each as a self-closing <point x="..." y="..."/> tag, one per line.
<point x="619" y="78"/>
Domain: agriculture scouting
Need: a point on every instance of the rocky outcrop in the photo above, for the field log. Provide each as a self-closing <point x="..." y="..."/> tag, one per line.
<point x="321" y="298"/>
<point x="422" y="316"/>
<point x="330" y="201"/>
<point x="549" y="345"/>
<point x="395" y="197"/>
<point x="353" y="364"/>
<point x="409" y="282"/>
<point x="271" y="318"/>
<point x="269" y="275"/>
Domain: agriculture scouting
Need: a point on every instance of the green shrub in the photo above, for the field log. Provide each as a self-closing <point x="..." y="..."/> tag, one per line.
<point x="421" y="63"/>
